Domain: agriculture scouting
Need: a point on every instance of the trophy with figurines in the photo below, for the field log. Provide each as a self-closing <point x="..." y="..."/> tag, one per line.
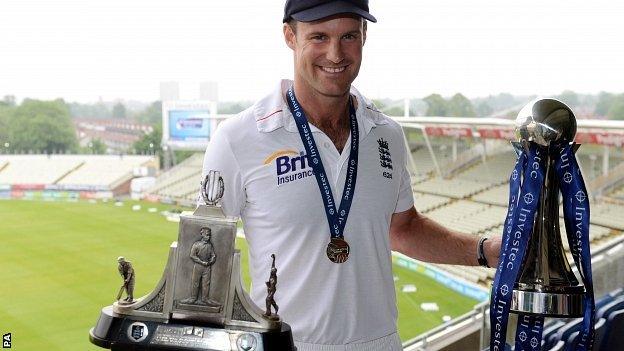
<point x="534" y="278"/>
<point x="199" y="303"/>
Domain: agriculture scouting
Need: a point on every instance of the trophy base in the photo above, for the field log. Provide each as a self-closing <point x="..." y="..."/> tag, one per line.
<point x="121" y="333"/>
<point x="548" y="304"/>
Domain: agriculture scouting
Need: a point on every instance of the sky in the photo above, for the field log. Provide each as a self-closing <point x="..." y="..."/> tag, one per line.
<point x="85" y="50"/>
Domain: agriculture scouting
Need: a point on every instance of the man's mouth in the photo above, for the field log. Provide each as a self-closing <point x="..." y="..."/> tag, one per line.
<point x="333" y="69"/>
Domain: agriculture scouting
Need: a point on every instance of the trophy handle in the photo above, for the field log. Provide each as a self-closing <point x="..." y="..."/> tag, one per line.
<point x="212" y="188"/>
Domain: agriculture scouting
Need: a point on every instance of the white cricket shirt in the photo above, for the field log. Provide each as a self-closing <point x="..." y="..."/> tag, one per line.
<point x="269" y="184"/>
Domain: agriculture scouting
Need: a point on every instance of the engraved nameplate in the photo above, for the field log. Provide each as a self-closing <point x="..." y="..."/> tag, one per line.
<point x="191" y="337"/>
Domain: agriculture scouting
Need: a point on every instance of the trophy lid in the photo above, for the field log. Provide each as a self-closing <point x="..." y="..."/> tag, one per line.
<point x="544" y="121"/>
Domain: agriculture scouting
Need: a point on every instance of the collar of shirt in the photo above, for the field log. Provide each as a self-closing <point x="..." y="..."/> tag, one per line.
<point x="272" y="112"/>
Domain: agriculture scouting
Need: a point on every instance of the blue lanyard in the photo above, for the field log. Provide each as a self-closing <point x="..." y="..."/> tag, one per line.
<point x="517" y="232"/>
<point x="576" y="218"/>
<point x="337" y="220"/>
<point x="518" y="229"/>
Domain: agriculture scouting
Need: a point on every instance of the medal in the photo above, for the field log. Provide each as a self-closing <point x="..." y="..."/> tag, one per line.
<point x="338" y="250"/>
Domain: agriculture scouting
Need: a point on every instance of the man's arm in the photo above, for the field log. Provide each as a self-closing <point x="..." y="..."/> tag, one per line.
<point x="419" y="237"/>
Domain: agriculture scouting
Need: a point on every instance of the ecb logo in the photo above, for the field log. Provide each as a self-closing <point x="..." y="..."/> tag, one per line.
<point x="504" y="290"/>
<point x="514" y="175"/>
<point x="580" y="196"/>
<point x="567" y="177"/>
<point x="137" y="331"/>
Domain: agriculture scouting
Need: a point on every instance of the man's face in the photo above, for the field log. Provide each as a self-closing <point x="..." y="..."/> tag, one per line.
<point x="205" y="235"/>
<point x="327" y="53"/>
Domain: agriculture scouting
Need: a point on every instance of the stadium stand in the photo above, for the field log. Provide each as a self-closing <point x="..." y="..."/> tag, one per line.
<point x="455" y="188"/>
<point x="37" y="169"/>
<point x="104" y="170"/>
<point x="109" y="173"/>
<point x="427" y="202"/>
<point x="608" y="215"/>
<point x="495" y="169"/>
<point x="562" y="334"/>
<point x="180" y="183"/>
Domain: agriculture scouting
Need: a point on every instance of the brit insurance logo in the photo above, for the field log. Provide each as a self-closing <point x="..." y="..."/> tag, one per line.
<point x="289" y="165"/>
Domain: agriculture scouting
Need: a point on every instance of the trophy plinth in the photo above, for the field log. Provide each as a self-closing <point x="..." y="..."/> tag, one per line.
<point x="547" y="286"/>
<point x="199" y="303"/>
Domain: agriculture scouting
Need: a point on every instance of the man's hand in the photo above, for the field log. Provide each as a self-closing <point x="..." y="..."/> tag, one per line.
<point x="491" y="249"/>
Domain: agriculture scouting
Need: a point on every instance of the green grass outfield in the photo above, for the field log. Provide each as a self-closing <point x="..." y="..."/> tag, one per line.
<point x="58" y="269"/>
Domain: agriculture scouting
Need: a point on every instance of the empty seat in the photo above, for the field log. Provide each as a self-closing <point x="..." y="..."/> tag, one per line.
<point x="614" y="336"/>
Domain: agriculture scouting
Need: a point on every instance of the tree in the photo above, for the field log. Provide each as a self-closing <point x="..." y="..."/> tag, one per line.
<point x="616" y="111"/>
<point x="460" y="106"/>
<point x="119" y="111"/>
<point x="604" y="103"/>
<point x="8" y="100"/>
<point x="96" y="147"/>
<point x="484" y="109"/>
<point x="151" y="115"/>
<point x="569" y="97"/>
<point x="42" y="126"/>
<point x="436" y="105"/>
<point x="97" y="110"/>
<point x="149" y="143"/>
<point x="5" y="116"/>
<point x="394" y="110"/>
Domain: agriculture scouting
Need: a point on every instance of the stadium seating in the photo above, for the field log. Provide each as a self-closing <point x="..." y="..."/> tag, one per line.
<point x="562" y="334"/>
<point x="77" y="170"/>
<point x="455" y="188"/>
<point x="608" y="215"/>
<point x="427" y="202"/>
<point x="180" y="182"/>
<point x="104" y="170"/>
<point x="613" y="338"/>
<point x="36" y="169"/>
<point x="495" y="169"/>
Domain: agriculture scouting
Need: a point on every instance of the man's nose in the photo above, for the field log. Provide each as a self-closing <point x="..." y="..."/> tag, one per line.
<point x="335" y="53"/>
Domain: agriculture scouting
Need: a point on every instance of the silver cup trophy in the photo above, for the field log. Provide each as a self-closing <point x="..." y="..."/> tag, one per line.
<point x="547" y="286"/>
<point x="199" y="303"/>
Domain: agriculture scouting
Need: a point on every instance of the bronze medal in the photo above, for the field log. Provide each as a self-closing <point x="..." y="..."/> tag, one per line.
<point x="338" y="250"/>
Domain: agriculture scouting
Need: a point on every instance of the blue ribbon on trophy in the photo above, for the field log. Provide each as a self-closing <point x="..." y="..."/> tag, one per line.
<point x="534" y="278"/>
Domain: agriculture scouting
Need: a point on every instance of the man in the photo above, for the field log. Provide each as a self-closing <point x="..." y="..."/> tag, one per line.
<point x="127" y="273"/>
<point x="203" y="255"/>
<point x="331" y="228"/>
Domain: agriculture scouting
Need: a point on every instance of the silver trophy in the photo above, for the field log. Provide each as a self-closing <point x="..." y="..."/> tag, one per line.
<point x="546" y="285"/>
<point x="199" y="303"/>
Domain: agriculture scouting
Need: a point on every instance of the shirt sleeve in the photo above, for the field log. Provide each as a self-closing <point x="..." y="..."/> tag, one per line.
<point x="220" y="157"/>
<point x="405" y="200"/>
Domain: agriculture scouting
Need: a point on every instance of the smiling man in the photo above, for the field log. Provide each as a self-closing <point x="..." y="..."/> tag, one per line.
<point x="318" y="176"/>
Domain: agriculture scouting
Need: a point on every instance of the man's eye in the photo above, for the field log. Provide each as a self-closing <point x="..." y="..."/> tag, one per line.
<point x="319" y="37"/>
<point x="349" y="37"/>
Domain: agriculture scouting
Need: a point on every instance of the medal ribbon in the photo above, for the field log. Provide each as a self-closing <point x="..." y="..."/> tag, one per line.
<point x="337" y="219"/>
<point x="576" y="218"/>
<point x="517" y="232"/>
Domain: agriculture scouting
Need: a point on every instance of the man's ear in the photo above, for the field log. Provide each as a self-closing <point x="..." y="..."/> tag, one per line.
<point x="364" y="27"/>
<point x="289" y="36"/>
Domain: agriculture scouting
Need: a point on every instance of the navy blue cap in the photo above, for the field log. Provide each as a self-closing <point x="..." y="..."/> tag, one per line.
<point x="312" y="10"/>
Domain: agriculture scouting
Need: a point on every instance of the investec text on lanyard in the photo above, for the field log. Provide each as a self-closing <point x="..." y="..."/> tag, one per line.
<point x="337" y="249"/>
